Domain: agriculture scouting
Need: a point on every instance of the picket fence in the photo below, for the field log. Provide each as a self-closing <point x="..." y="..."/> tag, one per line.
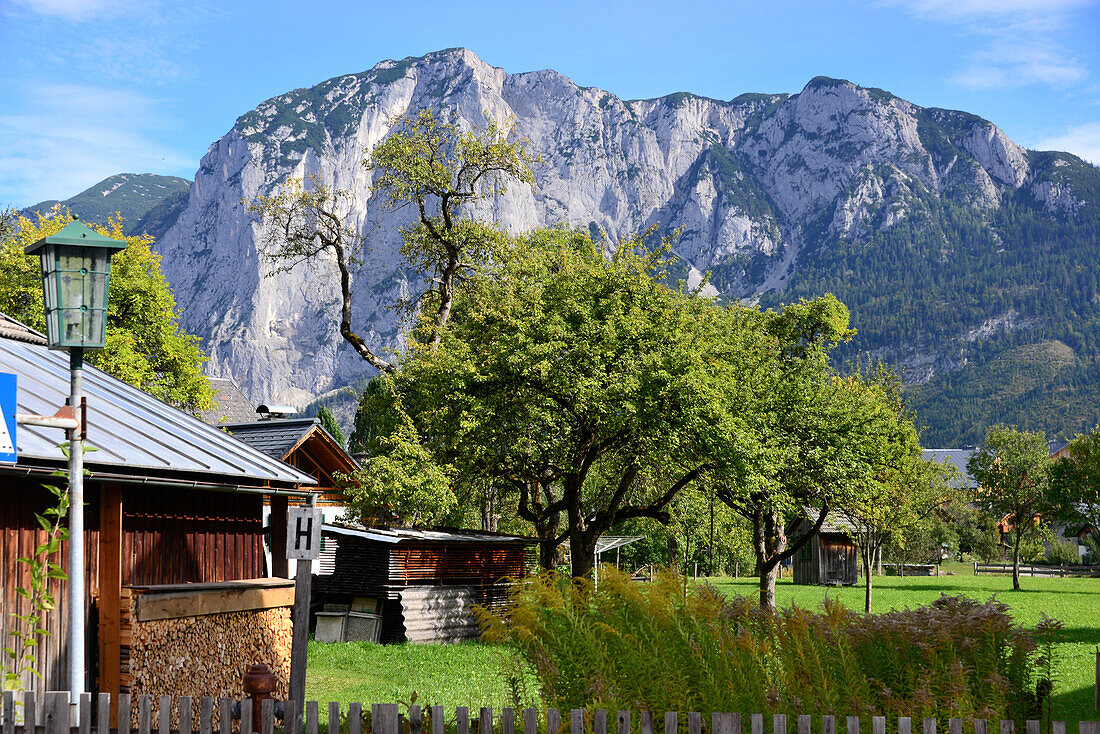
<point x="52" y="714"/>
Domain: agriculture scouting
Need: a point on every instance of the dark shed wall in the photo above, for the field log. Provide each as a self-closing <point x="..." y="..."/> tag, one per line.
<point x="838" y="559"/>
<point x="455" y="563"/>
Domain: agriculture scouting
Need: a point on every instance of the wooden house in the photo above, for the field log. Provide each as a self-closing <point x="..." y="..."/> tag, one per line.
<point x="829" y="558"/>
<point x="420" y="582"/>
<point x="173" y="506"/>
<point x="304" y="444"/>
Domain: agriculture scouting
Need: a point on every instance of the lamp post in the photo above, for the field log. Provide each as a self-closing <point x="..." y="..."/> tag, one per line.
<point x="76" y="270"/>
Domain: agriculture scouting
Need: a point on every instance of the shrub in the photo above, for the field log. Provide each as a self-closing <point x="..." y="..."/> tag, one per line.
<point x="1062" y="553"/>
<point x="658" y="647"/>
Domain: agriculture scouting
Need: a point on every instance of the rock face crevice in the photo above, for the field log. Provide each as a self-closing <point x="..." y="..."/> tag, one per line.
<point x="748" y="182"/>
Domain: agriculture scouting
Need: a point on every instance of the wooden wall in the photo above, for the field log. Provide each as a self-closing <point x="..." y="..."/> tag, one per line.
<point x="168" y="536"/>
<point x="177" y="537"/>
<point x="20" y="498"/>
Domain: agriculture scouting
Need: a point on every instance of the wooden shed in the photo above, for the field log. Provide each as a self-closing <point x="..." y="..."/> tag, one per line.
<point x="307" y="446"/>
<point x="421" y="582"/>
<point x="169" y="501"/>
<point x="829" y="558"/>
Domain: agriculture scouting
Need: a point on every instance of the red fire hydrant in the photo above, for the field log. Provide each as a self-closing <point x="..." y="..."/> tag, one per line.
<point x="259" y="683"/>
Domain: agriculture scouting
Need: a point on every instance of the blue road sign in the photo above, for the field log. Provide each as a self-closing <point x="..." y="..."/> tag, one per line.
<point x="8" y="454"/>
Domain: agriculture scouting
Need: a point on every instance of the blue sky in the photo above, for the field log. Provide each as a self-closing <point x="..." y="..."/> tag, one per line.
<point x="96" y="87"/>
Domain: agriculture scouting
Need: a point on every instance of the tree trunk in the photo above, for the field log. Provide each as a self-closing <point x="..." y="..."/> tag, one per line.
<point x="866" y="554"/>
<point x="673" y="553"/>
<point x="582" y="554"/>
<point x="1016" y="562"/>
<point x="767" y="586"/>
<point x="878" y="559"/>
<point x="548" y="553"/>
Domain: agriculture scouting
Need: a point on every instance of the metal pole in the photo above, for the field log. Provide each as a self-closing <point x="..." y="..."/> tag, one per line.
<point x="76" y="531"/>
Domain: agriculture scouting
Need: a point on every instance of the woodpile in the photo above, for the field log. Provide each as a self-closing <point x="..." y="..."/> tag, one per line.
<point x="204" y="655"/>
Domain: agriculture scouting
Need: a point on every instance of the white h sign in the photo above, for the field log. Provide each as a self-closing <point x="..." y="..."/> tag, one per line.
<point x="303" y="533"/>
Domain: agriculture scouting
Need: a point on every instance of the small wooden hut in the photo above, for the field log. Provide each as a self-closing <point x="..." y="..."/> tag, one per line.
<point x="421" y="583"/>
<point x="829" y="558"/>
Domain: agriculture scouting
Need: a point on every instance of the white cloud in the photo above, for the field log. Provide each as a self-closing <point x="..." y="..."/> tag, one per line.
<point x="65" y="138"/>
<point x="1021" y="47"/>
<point x="1082" y="140"/>
<point x="1013" y="64"/>
<point x="952" y="10"/>
<point x="75" y="10"/>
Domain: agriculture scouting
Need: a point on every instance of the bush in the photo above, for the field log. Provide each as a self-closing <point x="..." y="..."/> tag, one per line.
<point x="657" y="647"/>
<point x="1062" y="553"/>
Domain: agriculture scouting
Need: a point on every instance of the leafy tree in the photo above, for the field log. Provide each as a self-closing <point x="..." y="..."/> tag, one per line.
<point x="582" y="383"/>
<point x="902" y="490"/>
<point x="328" y="422"/>
<point x="145" y="345"/>
<point x="1076" y="481"/>
<point x="815" y="436"/>
<point x="427" y="164"/>
<point x="1012" y="469"/>
<point x="433" y="166"/>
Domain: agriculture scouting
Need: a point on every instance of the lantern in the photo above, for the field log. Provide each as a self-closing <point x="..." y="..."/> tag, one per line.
<point x="76" y="271"/>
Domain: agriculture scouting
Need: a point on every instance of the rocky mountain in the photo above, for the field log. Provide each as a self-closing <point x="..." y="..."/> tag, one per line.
<point x="892" y="206"/>
<point x="143" y="200"/>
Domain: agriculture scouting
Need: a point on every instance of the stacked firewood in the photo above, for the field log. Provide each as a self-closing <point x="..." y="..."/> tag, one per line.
<point x="207" y="655"/>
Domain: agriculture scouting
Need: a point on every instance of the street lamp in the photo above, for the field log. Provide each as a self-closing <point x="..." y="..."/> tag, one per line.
<point x="76" y="271"/>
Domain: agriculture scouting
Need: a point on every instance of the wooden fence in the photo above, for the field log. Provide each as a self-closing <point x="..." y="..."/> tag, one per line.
<point x="51" y="713"/>
<point x="1034" y="570"/>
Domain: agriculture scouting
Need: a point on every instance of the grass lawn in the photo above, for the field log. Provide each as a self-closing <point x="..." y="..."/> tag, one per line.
<point x="476" y="675"/>
<point x="469" y="674"/>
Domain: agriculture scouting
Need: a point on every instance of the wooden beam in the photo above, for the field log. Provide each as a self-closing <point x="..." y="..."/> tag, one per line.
<point x="277" y="529"/>
<point x="173" y="605"/>
<point x="110" y="594"/>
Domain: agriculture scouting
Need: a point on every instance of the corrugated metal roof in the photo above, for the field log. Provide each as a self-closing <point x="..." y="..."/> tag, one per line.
<point x="133" y="432"/>
<point x="274" y="437"/>
<point x="398" y="535"/>
<point x="955" y="457"/>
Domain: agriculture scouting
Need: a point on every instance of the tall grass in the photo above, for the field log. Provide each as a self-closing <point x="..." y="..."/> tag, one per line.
<point x="659" y="647"/>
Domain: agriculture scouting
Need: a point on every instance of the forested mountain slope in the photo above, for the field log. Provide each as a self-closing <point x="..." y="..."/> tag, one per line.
<point x="141" y="198"/>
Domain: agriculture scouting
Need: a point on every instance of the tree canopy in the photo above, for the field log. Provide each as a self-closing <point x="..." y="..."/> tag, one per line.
<point x="145" y="344"/>
<point x="1012" y="468"/>
<point x="581" y="384"/>
<point x="427" y="164"/>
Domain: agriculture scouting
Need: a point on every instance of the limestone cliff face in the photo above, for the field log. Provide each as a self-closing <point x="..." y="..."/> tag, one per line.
<point x="746" y="181"/>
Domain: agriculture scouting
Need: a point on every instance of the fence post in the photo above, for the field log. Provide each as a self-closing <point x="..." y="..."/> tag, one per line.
<point x="9" y="712"/>
<point x="599" y="722"/>
<point x="695" y="722"/>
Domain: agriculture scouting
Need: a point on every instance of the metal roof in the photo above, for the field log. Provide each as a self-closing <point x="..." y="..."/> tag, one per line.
<point x="133" y="433"/>
<point x="398" y="535"/>
<point x="275" y="438"/>
<point x="958" y="459"/>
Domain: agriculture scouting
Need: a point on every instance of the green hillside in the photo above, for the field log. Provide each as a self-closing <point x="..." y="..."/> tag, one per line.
<point x="133" y="195"/>
<point x="1001" y="306"/>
